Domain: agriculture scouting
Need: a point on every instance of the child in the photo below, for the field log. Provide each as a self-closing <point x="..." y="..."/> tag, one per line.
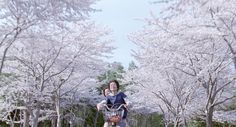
<point x="106" y="92"/>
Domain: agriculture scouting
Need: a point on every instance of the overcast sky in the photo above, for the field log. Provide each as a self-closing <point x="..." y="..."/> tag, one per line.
<point x="122" y="17"/>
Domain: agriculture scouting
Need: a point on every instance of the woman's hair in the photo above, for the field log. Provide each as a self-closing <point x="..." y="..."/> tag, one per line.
<point x="103" y="91"/>
<point x="116" y="82"/>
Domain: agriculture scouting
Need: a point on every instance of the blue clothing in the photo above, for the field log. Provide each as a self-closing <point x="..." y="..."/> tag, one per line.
<point x="117" y="100"/>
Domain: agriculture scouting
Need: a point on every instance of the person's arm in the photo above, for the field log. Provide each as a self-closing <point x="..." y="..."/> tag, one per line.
<point x="101" y="104"/>
<point x="127" y="101"/>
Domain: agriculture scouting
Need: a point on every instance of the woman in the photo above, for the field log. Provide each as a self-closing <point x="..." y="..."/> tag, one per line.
<point x="116" y="97"/>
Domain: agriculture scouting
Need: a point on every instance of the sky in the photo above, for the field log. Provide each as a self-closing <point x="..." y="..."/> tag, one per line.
<point x="123" y="17"/>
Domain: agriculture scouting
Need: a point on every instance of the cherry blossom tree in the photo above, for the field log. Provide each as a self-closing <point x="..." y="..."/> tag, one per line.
<point x="19" y="15"/>
<point x="53" y="51"/>
<point x="185" y="42"/>
<point x="56" y="66"/>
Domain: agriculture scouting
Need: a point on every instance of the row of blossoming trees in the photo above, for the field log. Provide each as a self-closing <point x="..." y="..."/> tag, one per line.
<point x="49" y="51"/>
<point x="187" y="60"/>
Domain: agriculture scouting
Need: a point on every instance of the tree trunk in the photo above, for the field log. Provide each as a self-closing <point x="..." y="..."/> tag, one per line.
<point x="176" y="123"/>
<point x="145" y="121"/>
<point x="26" y="118"/>
<point x="183" y="116"/>
<point x="58" y="120"/>
<point x="12" y="124"/>
<point x="71" y="123"/>
<point x="36" y="117"/>
<point x="209" y="116"/>
<point x="185" y="122"/>
<point x="95" y="119"/>
<point x="165" y="120"/>
<point x="53" y="123"/>
<point x="58" y="112"/>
